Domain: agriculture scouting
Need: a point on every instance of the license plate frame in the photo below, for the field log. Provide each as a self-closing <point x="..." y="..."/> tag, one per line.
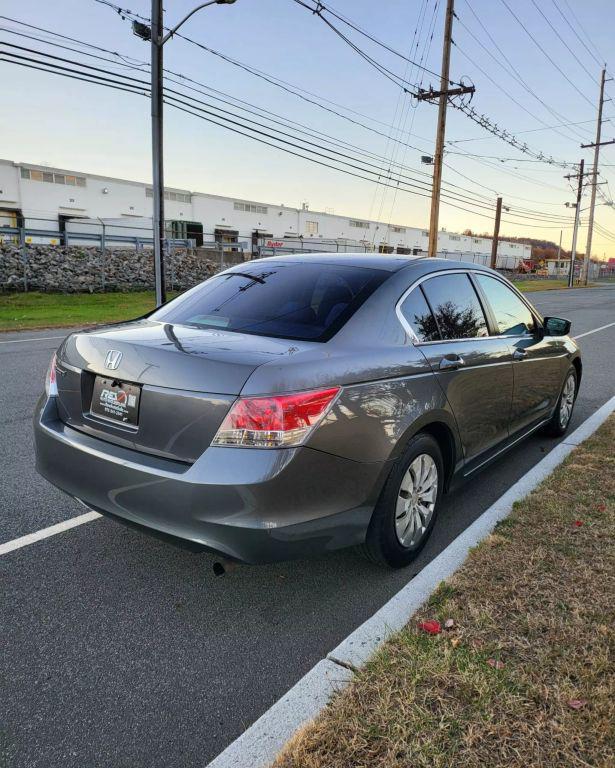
<point x="116" y="401"/>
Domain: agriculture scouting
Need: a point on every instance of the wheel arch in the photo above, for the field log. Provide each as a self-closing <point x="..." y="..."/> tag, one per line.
<point x="443" y="429"/>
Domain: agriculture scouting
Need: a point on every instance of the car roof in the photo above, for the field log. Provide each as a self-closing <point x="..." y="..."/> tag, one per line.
<point x="385" y="261"/>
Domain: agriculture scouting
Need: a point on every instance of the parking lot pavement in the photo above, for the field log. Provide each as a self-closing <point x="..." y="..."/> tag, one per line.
<point x="121" y="651"/>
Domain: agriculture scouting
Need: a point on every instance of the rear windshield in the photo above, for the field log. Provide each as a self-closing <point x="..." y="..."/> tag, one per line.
<point x="302" y="301"/>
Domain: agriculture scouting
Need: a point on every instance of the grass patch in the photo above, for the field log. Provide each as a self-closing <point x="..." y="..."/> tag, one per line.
<point x="525" y="676"/>
<point x="20" y="311"/>
<point x="528" y="286"/>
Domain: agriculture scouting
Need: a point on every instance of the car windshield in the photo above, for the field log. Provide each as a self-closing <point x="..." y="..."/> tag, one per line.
<point x="301" y="301"/>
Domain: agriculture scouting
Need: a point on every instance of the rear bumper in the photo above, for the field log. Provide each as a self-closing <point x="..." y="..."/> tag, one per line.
<point x="252" y="505"/>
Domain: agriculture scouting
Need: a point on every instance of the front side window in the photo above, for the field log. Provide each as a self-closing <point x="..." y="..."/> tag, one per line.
<point x="512" y="316"/>
<point x="455" y="306"/>
<point x="419" y="317"/>
<point x="309" y="302"/>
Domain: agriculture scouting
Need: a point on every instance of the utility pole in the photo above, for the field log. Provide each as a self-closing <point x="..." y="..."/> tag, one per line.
<point x="442" y="95"/>
<point x="496" y="233"/>
<point x="577" y="215"/>
<point x="157" y="150"/>
<point x="157" y="38"/>
<point x="559" y="247"/>
<point x="592" y="205"/>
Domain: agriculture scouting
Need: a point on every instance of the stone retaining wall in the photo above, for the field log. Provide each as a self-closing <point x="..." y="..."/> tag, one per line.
<point x="74" y="269"/>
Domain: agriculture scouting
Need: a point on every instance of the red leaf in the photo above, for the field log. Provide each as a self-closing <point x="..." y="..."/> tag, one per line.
<point x="431" y="626"/>
<point x="577" y="703"/>
<point x="495" y="663"/>
<point x="601" y="507"/>
<point x="578" y="523"/>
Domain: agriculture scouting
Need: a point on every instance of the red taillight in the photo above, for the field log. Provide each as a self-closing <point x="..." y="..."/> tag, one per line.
<point x="51" y="385"/>
<point x="271" y="422"/>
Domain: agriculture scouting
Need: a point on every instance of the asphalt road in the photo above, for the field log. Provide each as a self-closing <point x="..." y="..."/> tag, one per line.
<point x="119" y="651"/>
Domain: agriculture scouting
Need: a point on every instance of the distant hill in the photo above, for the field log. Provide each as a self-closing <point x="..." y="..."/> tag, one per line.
<point x="541" y="249"/>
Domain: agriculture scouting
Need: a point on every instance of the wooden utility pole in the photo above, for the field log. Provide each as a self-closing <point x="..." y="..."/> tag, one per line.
<point x="438" y="157"/>
<point x="496" y="233"/>
<point x="592" y="205"/>
<point x="442" y="95"/>
<point x="577" y="214"/>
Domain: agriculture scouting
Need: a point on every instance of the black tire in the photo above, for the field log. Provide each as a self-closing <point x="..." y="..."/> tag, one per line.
<point x="382" y="544"/>
<point x="555" y="427"/>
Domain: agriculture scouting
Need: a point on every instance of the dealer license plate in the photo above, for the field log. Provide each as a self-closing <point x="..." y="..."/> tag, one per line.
<point x="116" y="400"/>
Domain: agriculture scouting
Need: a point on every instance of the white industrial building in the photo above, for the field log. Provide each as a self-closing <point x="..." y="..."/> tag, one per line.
<point x="52" y="203"/>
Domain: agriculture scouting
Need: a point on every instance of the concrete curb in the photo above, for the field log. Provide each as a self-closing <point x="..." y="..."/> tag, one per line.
<point x="258" y="746"/>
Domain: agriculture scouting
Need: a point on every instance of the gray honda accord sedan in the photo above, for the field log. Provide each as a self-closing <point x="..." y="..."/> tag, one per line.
<point x="298" y="404"/>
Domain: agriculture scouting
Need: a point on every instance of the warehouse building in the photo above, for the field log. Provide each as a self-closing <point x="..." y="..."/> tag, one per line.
<point x="53" y="205"/>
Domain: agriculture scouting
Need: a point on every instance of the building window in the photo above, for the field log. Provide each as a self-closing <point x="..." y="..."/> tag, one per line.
<point x="477" y="240"/>
<point x="398" y="229"/>
<point x="311" y="227"/>
<point x="359" y="224"/>
<point x="454" y="237"/>
<point x="178" y="197"/>
<point x="512" y="245"/>
<point x="251" y="208"/>
<point x="51" y="178"/>
<point x="425" y="233"/>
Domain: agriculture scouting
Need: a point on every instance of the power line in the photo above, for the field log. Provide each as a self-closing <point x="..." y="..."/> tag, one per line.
<point x="561" y="39"/>
<point x="542" y="48"/>
<point x="513" y="72"/>
<point x="519" y="220"/>
<point x="319" y="8"/>
<point x="599" y="59"/>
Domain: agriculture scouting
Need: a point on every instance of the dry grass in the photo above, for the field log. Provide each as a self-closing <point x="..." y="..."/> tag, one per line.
<point x="539" y="597"/>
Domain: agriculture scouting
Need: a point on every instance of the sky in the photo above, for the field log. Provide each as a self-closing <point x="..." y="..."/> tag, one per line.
<point x="84" y="127"/>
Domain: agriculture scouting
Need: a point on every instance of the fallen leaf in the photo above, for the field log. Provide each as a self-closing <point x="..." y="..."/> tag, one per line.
<point x="431" y="626"/>
<point x="577" y="703"/>
<point x="601" y="507"/>
<point x="449" y="624"/>
<point x="455" y="641"/>
<point x="495" y="663"/>
<point x="578" y="523"/>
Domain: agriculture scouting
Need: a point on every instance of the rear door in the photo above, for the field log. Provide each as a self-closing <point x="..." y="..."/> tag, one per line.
<point x="473" y="368"/>
<point x="539" y="362"/>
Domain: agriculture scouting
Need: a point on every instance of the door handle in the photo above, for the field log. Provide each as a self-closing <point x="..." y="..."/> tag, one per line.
<point x="451" y="362"/>
<point x="519" y="354"/>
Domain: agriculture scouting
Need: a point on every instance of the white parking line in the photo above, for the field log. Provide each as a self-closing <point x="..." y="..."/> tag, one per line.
<point x="45" y="533"/>
<point x="24" y="341"/>
<point x="595" y="330"/>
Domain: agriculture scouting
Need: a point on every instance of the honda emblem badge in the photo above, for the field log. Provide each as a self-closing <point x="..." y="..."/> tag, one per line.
<point x="113" y="359"/>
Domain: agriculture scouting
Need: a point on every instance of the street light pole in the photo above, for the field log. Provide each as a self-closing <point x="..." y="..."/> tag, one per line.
<point x="158" y="224"/>
<point x="158" y="39"/>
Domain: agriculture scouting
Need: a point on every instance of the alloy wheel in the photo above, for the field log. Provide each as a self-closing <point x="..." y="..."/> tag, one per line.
<point x="416" y="500"/>
<point x="567" y="401"/>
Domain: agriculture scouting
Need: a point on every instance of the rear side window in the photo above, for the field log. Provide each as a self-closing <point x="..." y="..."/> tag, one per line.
<point x="301" y="301"/>
<point x="512" y="316"/>
<point x="455" y="306"/>
<point x="419" y="317"/>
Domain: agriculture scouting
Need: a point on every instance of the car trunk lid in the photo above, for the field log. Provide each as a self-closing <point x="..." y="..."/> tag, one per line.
<point x="186" y="380"/>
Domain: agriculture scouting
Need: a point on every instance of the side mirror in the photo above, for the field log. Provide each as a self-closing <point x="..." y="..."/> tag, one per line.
<point x="557" y="326"/>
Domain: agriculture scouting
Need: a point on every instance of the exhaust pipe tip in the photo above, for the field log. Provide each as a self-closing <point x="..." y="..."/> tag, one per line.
<point x="220" y="567"/>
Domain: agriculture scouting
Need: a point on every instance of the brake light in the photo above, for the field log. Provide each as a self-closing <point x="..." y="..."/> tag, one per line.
<point x="51" y="385"/>
<point x="275" y="421"/>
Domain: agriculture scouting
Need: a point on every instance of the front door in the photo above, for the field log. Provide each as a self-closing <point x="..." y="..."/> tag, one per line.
<point x="473" y="369"/>
<point x="539" y="363"/>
